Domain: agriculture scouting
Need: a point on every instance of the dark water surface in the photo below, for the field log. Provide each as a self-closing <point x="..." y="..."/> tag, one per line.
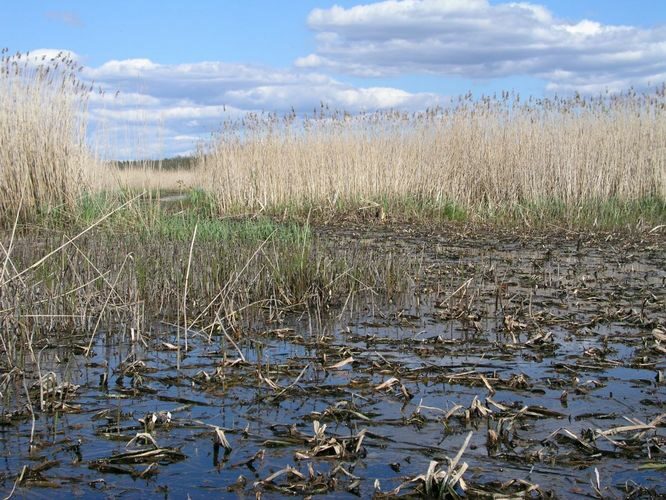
<point x="548" y="342"/>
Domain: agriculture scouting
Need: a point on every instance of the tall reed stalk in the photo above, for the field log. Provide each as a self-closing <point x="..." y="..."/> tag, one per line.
<point x="43" y="154"/>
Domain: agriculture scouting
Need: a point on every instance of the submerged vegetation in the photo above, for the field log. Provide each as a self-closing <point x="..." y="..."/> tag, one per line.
<point x="289" y="314"/>
<point x="427" y="365"/>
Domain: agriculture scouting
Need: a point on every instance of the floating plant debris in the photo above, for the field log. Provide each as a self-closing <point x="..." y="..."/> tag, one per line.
<point x="503" y="366"/>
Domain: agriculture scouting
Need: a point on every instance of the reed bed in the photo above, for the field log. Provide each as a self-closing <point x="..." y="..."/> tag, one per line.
<point x="44" y="159"/>
<point x="479" y="156"/>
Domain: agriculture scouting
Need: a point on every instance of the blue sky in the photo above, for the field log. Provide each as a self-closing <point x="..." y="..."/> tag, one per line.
<point x="183" y="67"/>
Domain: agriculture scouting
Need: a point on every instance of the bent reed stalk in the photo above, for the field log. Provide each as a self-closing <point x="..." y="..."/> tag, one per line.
<point x="484" y="155"/>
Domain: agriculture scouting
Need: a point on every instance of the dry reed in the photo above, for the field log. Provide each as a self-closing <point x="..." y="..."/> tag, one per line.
<point x="484" y="155"/>
<point x="43" y="154"/>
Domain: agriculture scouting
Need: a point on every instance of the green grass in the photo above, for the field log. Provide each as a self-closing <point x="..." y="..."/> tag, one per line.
<point x="417" y="207"/>
<point x="180" y="227"/>
<point x="607" y="214"/>
<point x="148" y="219"/>
<point x="175" y="220"/>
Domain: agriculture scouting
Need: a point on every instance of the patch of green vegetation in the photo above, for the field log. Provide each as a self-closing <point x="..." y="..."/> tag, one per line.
<point x="175" y="221"/>
<point x="612" y="213"/>
<point x="411" y="208"/>
<point x="180" y="227"/>
<point x="425" y="209"/>
<point x="607" y="214"/>
<point x="174" y="215"/>
<point x="201" y="202"/>
<point x="615" y="212"/>
<point x="87" y="209"/>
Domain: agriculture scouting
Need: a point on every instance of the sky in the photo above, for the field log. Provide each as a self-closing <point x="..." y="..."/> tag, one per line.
<point x="173" y="71"/>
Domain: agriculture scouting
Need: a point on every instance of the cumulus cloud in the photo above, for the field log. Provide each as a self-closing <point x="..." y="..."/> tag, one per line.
<point x="214" y="84"/>
<point x="473" y="38"/>
<point x="166" y="109"/>
<point x="43" y="56"/>
<point x="143" y="108"/>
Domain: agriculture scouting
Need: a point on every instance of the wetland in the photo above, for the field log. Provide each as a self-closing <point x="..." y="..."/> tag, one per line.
<point x="452" y="361"/>
<point x="466" y="300"/>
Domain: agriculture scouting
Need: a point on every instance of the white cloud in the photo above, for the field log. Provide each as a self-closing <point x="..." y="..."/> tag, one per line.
<point x="160" y="113"/>
<point x="121" y="99"/>
<point x="44" y="56"/>
<point x="152" y="109"/>
<point x="473" y="38"/>
<point x="126" y="68"/>
<point x="310" y="61"/>
<point x="336" y="95"/>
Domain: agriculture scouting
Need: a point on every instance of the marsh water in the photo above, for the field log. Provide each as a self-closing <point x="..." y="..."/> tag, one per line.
<point x="549" y="350"/>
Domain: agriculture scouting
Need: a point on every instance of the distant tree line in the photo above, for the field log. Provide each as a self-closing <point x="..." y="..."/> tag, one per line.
<point x="175" y="163"/>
